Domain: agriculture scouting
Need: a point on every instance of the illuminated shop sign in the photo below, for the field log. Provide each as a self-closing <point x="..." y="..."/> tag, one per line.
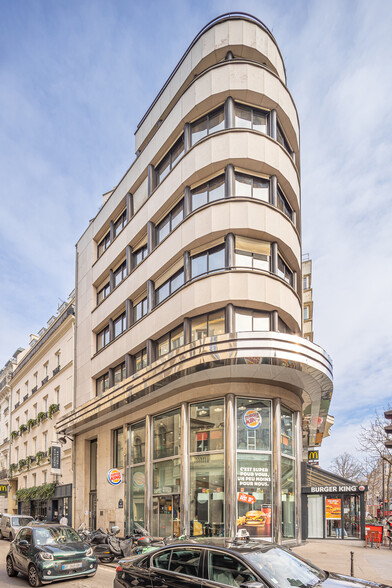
<point x="114" y="477"/>
<point x="251" y="419"/>
<point x="333" y="489"/>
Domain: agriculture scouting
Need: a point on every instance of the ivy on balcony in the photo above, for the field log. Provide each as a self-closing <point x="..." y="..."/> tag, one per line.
<point x="44" y="492"/>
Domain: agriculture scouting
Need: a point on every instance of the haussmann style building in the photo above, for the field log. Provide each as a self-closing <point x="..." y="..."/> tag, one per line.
<point x="192" y="377"/>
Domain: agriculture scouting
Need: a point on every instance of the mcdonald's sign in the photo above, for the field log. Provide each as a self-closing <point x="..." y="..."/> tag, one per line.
<point x="313" y="455"/>
<point x="4" y="489"/>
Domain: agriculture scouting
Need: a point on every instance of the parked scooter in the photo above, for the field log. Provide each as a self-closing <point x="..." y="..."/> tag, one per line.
<point x="105" y="544"/>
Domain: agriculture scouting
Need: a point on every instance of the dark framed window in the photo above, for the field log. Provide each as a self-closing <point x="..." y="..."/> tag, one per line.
<point x="171" y="341"/>
<point x="141" y="360"/>
<point x="118" y="448"/>
<point x="283" y="204"/>
<point x="280" y="137"/>
<point x="208" y="192"/>
<point x="119" y="373"/>
<point x="252" y="187"/>
<point x="120" y="223"/>
<point x="284" y="271"/>
<point x="103" y="338"/>
<point x="170" y="286"/>
<point x="120" y="324"/>
<point x="139" y="255"/>
<point x="208" y="261"/>
<point x="102" y="384"/>
<point x="120" y="274"/>
<point x="170" y="222"/>
<point x="247" y="117"/>
<point x="103" y="244"/>
<point x="208" y="325"/>
<point x="139" y="310"/>
<point x="211" y="123"/>
<point x="103" y="293"/>
<point x="170" y="159"/>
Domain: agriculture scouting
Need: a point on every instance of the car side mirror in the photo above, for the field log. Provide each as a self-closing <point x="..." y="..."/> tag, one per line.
<point x="23" y="543"/>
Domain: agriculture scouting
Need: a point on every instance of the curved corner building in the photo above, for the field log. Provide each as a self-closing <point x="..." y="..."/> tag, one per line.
<point x="192" y="377"/>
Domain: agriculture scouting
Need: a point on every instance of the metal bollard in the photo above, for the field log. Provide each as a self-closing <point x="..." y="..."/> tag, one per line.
<point x="352" y="563"/>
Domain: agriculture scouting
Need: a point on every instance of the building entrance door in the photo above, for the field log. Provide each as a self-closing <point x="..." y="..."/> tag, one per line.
<point x="352" y="519"/>
<point x="166" y="515"/>
<point x="92" y="509"/>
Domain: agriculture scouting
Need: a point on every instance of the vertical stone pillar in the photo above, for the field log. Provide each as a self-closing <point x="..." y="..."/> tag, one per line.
<point x="151" y="179"/>
<point x="229" y="113"/>
<point x="128" y="254"/>
<point x="187" y="201"/>
<point x="150" y="236"/>
<point x="229" y="181"/>
<point x="150" y="347"/>
<point x="129" y="313"/>
<point x="274" y="258"/>
<point x="277" y="471"/>
<point x="187" y="137"/>
<point x="231" y="468"/>
<point x="230" y="250"/>
<point x="150" y="295"/>
<point x="274" y="321"/>
<point x="273" y="124"/>
<point x="148" y="475"/>
<point x="187" y="267"/>
<point x="230" y="319"/>
<point x="130" y="211"/>
<point x="298" y="481"/>
<point x="187" y="331"/>
<point x="111" y="329"/>
<point x="129" y="365"/>
<point x="274" y="191"/>
<point x="185" y="474"/>
<point x="111" y="280"/>
<point x="111" y="377"/>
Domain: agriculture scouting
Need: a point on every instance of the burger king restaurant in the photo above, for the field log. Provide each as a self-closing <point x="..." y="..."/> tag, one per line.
<point x="216" y="466"/>
<point x="333" y="507"/>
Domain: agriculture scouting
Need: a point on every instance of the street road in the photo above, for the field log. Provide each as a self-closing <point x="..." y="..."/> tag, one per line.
<point x="102" y="579"/>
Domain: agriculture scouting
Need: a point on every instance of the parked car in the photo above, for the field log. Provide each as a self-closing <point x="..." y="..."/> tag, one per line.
<point x="45" y="553"/>
<point x="217" y="564"/>
<point x="10" y="525"/>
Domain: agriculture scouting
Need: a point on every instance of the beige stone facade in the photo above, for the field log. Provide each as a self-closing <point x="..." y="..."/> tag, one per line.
<point x="42" y="392"/>
<point x="307" y="298"/>
<point x="190" y="364"/>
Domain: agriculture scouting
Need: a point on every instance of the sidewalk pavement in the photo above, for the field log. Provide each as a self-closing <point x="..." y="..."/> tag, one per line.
<point x="334" y="556"/>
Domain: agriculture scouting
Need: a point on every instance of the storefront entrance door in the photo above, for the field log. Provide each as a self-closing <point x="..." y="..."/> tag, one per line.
<point x="166" y="515"/>
<point x="352" y="521"/>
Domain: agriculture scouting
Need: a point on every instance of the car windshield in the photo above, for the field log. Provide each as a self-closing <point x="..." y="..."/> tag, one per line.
<point x="20" y="521"/>
<point x="56" y="536"/>
<point x="285" y="569"/>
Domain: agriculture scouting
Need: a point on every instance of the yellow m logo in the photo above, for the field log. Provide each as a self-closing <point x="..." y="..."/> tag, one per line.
<point x="313" y="455"/>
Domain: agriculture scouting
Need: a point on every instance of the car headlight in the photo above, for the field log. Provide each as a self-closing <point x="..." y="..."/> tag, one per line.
<point x="45" y="555"/>
<point x="89" y="552"/>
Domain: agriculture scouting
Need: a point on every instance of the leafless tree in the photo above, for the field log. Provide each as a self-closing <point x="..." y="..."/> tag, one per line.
<point x="372" y="442"/>
<point x="347" y="466"/>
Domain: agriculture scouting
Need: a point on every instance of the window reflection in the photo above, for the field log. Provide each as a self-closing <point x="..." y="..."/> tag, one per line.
<point x="208" y="325"/>
<point x="207" y="426"/>
<point x="253" y="424"/>
<point x="167" y="435"/>
<point x="207" y="495"/>
<point x="208" y="192"/>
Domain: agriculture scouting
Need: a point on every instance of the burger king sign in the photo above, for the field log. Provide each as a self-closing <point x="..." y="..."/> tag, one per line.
<point x="251" y="419"/>
<point x="114" y="477"/>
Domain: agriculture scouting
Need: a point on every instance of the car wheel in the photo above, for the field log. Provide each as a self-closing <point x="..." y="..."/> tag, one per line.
<point x="107" y="559"/>
<point x="33" y="576"/>
<point x="11" y="571"/>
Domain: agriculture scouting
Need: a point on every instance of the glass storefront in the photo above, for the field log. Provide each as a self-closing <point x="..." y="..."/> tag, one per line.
<point x="159" y="466"/>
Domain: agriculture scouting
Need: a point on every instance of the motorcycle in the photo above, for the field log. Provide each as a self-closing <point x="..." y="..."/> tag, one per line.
<point x="106" y="545"/>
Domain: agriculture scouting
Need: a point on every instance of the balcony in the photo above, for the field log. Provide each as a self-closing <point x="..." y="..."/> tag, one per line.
<point x="56" y="370"/>
<point x="25" y="397"/>
<point x="5" y="440"/>
<point x="17" y="404"/>
<point x="44" y="380"/>
<point x="6" y="411"/>
<point x="33" y="390"/>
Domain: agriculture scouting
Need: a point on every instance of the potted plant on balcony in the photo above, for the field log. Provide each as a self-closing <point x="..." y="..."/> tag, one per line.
<point x="13" y="467"/>
<point x="14" y="434"/>
<point x="22" y="429"/>
<point x="53" y="408"/>
<point x="21" y="464"/>
<point x="29" y="459"/>
<point x="39" y="456"/>
<point x="41" y="417"/>
<point x="31" y="423"/>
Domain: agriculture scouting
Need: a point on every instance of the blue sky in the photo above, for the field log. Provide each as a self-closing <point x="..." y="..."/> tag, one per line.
<point x="77" y="76"/>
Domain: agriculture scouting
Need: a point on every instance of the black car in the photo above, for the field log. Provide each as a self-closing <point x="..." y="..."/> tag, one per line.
<point x="214" y="564"/>
<point x="49" y="552"/>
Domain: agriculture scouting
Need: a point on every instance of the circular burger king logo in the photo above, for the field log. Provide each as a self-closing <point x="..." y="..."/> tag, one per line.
<point x="251" y="419"/>
<point x="114" y="477"/>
